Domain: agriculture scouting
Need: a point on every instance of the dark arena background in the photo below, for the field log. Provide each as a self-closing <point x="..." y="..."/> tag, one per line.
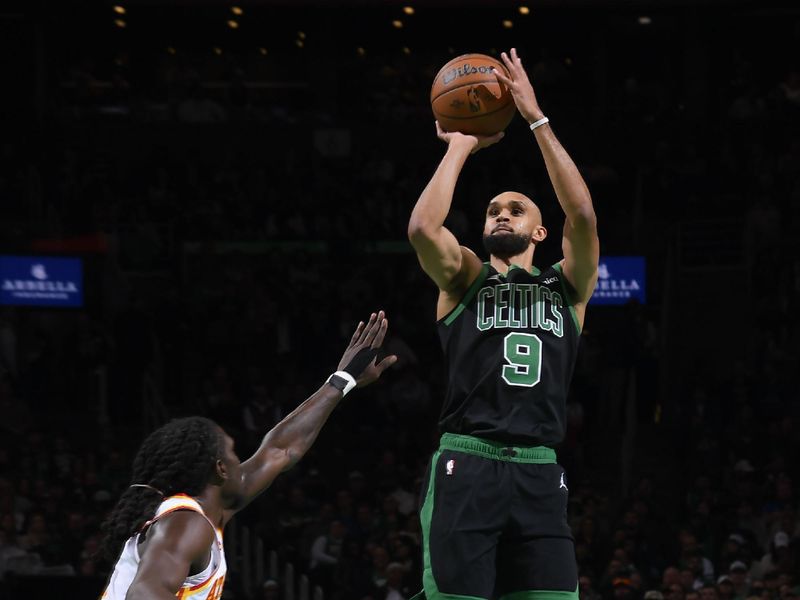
<point x="233" y="182"/>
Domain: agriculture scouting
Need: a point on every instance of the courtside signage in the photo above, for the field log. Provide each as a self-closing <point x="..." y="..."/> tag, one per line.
<point x="41" y="281"/>
<point x="620" y="280"/>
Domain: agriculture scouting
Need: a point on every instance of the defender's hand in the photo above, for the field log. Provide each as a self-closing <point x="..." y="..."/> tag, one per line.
<point x="520" y="87"/>
<point x="359" y="359"/>
<point x="474" y="142"/>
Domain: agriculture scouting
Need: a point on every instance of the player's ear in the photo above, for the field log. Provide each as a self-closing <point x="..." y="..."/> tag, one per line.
<point x="539" y="233"/>
<point x="221" y="470"/>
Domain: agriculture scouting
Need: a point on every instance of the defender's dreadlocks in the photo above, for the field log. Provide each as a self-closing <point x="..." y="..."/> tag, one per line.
<point x="179" y="457"/>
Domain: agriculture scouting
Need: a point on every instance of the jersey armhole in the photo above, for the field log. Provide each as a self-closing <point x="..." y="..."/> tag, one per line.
<point x="465" y="299"/>
<point x="569" y="295"/>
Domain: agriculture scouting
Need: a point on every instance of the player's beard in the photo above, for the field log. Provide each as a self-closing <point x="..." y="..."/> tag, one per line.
<point x="506" y="245"/>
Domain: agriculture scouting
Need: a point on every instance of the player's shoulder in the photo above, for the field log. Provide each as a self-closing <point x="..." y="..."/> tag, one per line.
<point x="185" y="531"/>
<point x="470" y="271"/>
<point x="551" y="273"/>
<point x="470" y="261"/>
<point x="185" y="518"/>
<point x="552" y="276"/>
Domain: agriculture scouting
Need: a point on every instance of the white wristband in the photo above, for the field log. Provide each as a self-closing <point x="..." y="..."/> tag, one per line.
<point x="539" y="123"/>
<point x="351" y="382"/>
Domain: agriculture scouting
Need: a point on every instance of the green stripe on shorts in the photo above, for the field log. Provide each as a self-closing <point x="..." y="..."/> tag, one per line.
<point x="541" y="595"/>
<point x="540" y="455"/>
<point x="429" y="583"/>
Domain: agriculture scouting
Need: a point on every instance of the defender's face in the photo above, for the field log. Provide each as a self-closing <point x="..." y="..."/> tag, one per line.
<point x="512" y="213"/>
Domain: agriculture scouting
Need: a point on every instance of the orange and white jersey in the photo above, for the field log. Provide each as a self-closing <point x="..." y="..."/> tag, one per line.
<point x="206" y="585"/>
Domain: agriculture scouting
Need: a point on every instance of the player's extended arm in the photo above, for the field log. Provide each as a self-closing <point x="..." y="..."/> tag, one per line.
<point x="289" y="440"/>
<point x="439" y="252"/>
<point x="174" y="544"/>
<point x="580" y="242"/>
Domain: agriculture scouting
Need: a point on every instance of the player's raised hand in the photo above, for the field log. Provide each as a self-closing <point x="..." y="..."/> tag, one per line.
<point x="520" y="87"/>
<point x="475" y="142"/>
<point x="359" y="359"/>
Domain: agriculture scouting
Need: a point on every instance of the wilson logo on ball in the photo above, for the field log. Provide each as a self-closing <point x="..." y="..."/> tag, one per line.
<point x="466" y="69"/>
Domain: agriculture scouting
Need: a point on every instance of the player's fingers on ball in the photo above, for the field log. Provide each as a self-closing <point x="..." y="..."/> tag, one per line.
<point x="501" y="77"/>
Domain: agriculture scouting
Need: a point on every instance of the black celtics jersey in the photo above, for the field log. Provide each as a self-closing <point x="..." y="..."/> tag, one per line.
<point x="510" y="347"/>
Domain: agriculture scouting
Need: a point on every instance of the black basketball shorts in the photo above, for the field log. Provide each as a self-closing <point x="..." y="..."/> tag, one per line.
<point x="494" y="524"/>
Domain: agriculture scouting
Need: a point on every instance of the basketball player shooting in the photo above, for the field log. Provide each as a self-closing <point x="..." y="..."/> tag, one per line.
<point x="494" y="514"/>
<point x="165" y="533"/>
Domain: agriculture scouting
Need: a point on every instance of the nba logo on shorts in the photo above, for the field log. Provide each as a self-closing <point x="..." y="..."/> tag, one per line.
<point x="449" y="466"/>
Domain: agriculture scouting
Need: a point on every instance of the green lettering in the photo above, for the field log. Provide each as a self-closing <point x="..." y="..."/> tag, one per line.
<point x="522" y="291"/>
<point x="484" y="322"/>
<point x="501" y="304"/>
<point x="534" y="306"/>
<point x="556" y="307"/>
<point x="545" y="297"/>
<point x="513" y="309"/>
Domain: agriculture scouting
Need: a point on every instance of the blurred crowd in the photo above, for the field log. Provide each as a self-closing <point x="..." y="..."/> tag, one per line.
<point x="247" y="230"/>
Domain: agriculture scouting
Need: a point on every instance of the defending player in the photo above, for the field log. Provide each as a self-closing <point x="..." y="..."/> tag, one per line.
<point x="494" y="515"/>
<point x="188" y="483"/>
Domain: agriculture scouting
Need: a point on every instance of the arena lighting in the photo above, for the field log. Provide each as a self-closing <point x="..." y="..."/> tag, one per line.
<point x="237" y="10"/>
<point x="508" y="23"/>
<point x="120" y="23"/>
<point x="645" y="20"/>
<point x="397" y="24"/>
<point x="409" y="10"/>
<point x="524" y="10"/>
<point x="120" y="10"/>
<point x="233" y="24"/>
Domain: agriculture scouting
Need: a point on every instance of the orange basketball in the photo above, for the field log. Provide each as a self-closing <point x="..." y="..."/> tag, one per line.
<point x="467" y="97"/>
